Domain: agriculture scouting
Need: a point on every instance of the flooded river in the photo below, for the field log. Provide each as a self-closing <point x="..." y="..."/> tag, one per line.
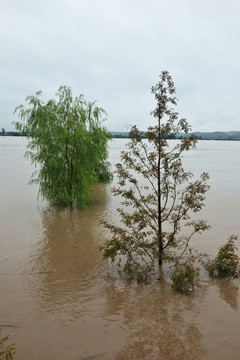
<point x="61" y="301"/>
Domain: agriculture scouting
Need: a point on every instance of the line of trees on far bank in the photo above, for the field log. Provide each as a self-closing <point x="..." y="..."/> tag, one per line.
<point x="215" y="135"/>
<point x="3" y="132"/>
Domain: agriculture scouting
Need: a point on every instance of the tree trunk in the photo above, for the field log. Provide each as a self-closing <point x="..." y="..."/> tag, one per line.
<point x="160" y="239"/>
<point x="160" y="255"/>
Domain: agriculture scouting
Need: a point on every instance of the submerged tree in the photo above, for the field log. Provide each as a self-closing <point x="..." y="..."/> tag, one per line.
<point x="158" y="198"/>
<point x="69" y="145"/>
<point x="226" y="263"/>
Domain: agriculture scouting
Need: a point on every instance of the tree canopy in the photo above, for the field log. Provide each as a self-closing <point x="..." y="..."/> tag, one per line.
<point x="67" y="143"/>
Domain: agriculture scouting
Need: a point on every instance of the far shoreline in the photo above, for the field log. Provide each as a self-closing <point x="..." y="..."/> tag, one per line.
<point x="216" y="135"/>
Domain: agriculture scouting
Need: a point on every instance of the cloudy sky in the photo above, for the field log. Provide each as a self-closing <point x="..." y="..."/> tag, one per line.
<point x="114" y="50"/>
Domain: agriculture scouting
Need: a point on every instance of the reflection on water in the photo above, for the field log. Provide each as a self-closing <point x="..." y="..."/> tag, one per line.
<point x="67" y="256"/>
<point x="158" y="323"/>
<point x="69" y="304"/>
<point x="228" y="290"/>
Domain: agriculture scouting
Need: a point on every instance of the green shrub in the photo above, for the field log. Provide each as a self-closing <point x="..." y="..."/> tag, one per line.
<point x="226" y="263"/>
<point x="184" y="277"/>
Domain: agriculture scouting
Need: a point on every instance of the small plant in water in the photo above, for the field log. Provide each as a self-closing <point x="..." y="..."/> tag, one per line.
<point x="6" y="351"/>
<point x="184" y="277"/>
<point x="226" y="263"/>
<point x="185" y="273"/>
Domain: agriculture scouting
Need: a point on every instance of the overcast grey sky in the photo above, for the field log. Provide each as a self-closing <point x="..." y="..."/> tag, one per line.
<point x="114" y="50"/>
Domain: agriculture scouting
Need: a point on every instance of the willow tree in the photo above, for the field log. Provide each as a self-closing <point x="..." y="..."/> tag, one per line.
<point x="67" y="143"/>
<point x="158" y="196"/>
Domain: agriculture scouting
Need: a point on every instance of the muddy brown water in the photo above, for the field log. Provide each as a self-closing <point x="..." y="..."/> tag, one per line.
<point x="60" y="300"/>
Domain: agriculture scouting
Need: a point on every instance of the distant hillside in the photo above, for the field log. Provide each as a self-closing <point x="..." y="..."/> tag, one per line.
<point x="215" y="135"/>
<point x="120" y="134"/>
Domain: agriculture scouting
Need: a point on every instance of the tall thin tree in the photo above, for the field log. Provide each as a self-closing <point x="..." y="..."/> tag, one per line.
<point x="158" y="198"/>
